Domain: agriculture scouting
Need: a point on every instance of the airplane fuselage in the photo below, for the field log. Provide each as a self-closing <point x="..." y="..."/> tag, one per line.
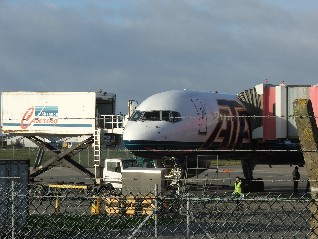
<point x="178" y="122"/>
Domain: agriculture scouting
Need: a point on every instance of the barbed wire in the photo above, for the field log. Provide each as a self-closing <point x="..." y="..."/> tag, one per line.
<point x="213" y="115"/>
<point x="185" y="181"/>
<point x="219" y="150"/>
<point x="190" y="180"/>
<point x="217" y="116"/>
<point x="209" y="151"/>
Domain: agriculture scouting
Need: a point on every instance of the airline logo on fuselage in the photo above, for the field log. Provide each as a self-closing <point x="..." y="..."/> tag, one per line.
<point x="41" y="115"/>
<point x="232" y="128"/>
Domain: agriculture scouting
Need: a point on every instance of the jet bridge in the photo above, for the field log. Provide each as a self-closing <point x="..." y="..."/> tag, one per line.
<point x="40" y="116"/>
<point x="272" y="121"/>
<point x="271" y="112"/>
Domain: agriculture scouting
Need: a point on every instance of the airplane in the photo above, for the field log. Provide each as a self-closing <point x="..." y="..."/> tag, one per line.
<point x="181" y="124"/>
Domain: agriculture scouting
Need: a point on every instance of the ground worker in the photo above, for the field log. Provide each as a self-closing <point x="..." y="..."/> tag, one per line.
<point x="238" y="191"/>
<point x="296" y="177"/>
<point x="237" y="187"/>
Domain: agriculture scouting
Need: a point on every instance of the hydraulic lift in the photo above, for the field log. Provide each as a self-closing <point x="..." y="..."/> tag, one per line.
<point x="58" y="157"/>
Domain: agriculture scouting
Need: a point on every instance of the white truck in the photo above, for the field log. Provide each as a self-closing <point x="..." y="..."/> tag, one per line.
<point x="113" y="168"/>
<point x="132" y="176"/>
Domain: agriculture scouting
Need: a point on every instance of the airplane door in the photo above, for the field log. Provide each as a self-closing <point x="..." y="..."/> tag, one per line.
<point x="201" y="113"/>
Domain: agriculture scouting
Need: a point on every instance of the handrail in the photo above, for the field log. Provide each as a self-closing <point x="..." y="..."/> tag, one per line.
<point x="111" y="121"/>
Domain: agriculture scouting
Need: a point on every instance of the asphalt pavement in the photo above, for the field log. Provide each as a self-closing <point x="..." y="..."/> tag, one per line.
<point x="277" y="178"/>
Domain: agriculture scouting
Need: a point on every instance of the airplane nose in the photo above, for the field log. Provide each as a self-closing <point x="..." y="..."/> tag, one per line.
<point x="127" y="135"/>
<point x="132" y="136"/>
<point x="137" y="135"/>
<point x="140" y="131"/>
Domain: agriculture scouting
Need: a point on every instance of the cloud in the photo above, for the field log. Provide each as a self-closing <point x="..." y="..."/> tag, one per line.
<point x="138" y="48"/>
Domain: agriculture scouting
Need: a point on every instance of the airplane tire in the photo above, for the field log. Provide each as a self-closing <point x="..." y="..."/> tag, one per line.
<point x="252" y="186"/>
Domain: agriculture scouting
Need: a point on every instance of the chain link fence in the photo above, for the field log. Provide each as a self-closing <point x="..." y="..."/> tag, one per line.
<point x="49" y="212"/>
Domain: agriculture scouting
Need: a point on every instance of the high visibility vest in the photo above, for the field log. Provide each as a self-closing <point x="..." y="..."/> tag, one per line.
<point x="237" y="188"/>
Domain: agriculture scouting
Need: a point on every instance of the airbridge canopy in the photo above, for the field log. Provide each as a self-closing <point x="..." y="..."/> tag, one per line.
<point x="53" y="113"/>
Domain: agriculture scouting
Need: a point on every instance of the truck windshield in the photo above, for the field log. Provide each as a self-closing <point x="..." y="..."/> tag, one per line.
<point x="113" y="167"/>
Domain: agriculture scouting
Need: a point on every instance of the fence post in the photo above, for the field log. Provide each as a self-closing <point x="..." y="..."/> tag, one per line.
<point x="156" y="211"/>
<point x="57" y="204"/>
<point x="188" y="215"/>
<point x="88" y="157"/>
<point x="12" y="210"/>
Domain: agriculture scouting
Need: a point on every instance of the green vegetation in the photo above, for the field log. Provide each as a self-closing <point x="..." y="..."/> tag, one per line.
<point x="73" y="222"/>
<point x="94" y="223"/>
<point x="225" y="162"/>
<point x="85" y="157"/>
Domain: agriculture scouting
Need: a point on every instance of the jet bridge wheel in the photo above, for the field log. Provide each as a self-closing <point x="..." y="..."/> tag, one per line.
<point x="253" y="185"/>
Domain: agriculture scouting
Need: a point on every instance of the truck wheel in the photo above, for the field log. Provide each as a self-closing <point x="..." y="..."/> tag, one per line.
<point x="105" y="189"/>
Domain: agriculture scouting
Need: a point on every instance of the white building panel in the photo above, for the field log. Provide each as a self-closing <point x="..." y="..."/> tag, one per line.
<point x="280" y="111"/>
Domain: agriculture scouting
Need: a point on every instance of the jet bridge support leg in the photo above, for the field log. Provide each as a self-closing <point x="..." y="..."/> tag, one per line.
<point x="58" y="157"/>
<point x="250" y="184"/>
<point x="247" y="168"/>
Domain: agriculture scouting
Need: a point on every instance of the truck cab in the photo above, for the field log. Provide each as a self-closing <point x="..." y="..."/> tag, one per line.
<point x="112" y="172"/>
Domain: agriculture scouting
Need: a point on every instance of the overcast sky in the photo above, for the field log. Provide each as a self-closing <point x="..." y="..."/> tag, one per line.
<point x="136" y="48"/>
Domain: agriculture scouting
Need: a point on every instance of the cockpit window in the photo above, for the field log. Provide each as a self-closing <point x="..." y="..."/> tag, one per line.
<point x="166" y="115"/>
<point x="151" y="115"/>
<point x="171" y="116"/>
<point x="176" y="117"/>
<point x="136" y="115"/>
<point x="157" y="115"/>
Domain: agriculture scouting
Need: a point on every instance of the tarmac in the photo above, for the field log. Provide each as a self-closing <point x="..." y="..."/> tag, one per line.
<point x="277" y="178"/>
